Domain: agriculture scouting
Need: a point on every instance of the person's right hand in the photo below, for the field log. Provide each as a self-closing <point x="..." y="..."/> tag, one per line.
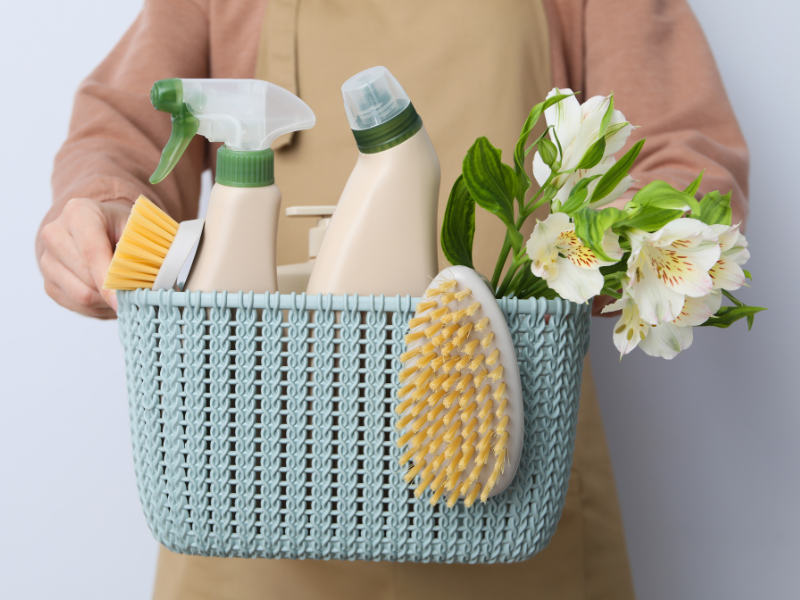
<point x="74" y="251"/>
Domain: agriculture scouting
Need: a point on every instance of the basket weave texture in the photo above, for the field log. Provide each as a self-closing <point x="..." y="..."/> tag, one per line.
<point x="263" y="426"/>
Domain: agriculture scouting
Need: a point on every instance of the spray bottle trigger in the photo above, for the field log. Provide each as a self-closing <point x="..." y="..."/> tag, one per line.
<point x="184" y="128"/>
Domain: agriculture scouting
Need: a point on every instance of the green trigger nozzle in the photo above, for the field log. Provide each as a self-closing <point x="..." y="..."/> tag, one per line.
<point x="167" y="96"/>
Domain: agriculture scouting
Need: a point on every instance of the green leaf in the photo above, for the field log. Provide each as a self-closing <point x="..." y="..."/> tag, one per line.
<point x="716" y="209"/>
<point x="578" y="194"/>
<point x="458" y="225"/>
<point x="523" y="181"/>
<point x="607" y="116"/>
<point x="695" y="185"/>
<point x="747" y="274"/>
<point x="491" y="184"/>
<point x="728" y="315"/>
<point x="617" y="270"/>
<point x="591" y="226"/>
<point x="662" y="195"/>
<point x="612" y="129"/>
<point x="548" y="152"/>
<point x="616" y="173"/>
<point x="593" y="155"/>
<point x="650" y="218"/>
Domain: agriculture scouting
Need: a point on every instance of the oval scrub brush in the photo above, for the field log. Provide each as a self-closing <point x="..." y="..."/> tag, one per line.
<point x="152" y="249"/>
<point x="461" y="396"/>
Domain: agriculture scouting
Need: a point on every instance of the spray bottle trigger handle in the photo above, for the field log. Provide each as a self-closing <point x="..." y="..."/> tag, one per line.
<point x="184" y="128"/>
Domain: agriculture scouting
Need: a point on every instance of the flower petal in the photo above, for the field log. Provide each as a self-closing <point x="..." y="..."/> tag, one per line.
<point x="683" y="229"/>
<point x="695" y="311"/>
<point x="667" y="340"/>
<point x="540" y="170"/>
<point x="621" y="188"/>
<point x="575" y="283"/>
<point x="541" y="246"/>
<point x="714" y="301"/>
<point x="683" y="269"/>
<point x="588" y="134"/>
<point x="615" y="142"/>
<point x="657" y="302"/>
<point x="611" y="247"/>
<point x="726" y="275"/>
<point x="565" y="116"/>
<point x="630" y="330"/>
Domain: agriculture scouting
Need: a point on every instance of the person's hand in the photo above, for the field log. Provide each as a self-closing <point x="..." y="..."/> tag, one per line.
<point x="74" y="251"/>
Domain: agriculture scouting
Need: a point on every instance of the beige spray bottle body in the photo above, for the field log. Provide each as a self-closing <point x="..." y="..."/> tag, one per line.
<point x="382" y="237"/>
<point x="237" y="250"/>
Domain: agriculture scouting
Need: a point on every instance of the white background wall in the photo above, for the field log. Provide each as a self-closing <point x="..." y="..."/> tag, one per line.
<point x="705" y="447"/>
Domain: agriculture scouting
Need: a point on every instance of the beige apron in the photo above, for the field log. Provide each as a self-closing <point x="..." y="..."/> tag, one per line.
<point x="472" y="68"/>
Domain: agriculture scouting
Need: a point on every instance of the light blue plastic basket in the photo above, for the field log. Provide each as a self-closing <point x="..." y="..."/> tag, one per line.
<point x="262" y="427"/>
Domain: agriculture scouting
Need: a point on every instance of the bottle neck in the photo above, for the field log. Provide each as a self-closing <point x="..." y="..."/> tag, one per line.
<point x="247" y="169"/>
<point x="390" y="134"/>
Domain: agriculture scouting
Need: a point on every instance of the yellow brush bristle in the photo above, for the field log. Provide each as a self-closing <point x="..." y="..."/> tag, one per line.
<point x="462" y="436"/>
<point x="142" y="247"/>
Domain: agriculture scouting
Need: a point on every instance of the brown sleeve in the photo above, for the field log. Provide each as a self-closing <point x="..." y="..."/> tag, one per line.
<point x="653" y="55"/>
<point x="115" y="135"/>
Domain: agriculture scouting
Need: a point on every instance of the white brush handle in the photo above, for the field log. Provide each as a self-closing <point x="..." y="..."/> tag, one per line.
<point x="188" y="234"/>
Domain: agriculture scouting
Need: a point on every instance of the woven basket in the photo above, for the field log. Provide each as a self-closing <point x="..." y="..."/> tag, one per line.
<point x="263" y="426"/>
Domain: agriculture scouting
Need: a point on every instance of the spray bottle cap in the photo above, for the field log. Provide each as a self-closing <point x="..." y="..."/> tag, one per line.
<point x="246" y="114"/>
<point x="379" y="110"/>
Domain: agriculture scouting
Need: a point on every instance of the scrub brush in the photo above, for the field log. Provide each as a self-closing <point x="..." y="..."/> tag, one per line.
<point x="152" y="249"/>
<point x="460" y="409"/>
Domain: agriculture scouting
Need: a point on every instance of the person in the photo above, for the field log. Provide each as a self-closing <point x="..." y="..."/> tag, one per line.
<point x="472" y="68"/>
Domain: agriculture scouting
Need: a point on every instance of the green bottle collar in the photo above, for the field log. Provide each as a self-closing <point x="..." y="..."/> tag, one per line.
<point x="390" y="134"/>
<point x="255" y="168"/>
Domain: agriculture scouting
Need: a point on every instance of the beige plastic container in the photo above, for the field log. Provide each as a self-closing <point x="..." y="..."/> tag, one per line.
<point x="237" y="250"/>
<point x="382" y="237"/>
<point x="294" y="277"/>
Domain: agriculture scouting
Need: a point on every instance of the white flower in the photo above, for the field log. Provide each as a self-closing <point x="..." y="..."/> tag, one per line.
<point x="727" y="273"/>
<point x="560" y="258"/>
<point x="577" y="127"/>
<point x="630" y="329"/>
<point x="668" y="339"/>
<point x="667" y="266"/>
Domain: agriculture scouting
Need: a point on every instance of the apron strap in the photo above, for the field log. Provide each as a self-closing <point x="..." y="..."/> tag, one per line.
<point x="277" y="51"/>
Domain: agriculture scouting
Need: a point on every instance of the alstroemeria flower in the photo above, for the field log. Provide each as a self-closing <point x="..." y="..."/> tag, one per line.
<point x="668" y="339"/>
<point x="667" y="266"/>
<point x="577" y="128"/>
<point x="727" y="273"/>
<point x="630" y="329"/>
<point x="559" y="257"/>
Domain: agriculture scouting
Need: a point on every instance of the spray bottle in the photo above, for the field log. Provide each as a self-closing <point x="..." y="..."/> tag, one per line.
<point x="237" y="249"/>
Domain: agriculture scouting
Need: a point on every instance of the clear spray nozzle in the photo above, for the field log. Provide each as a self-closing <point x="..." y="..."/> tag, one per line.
<point x="245" y="114"/>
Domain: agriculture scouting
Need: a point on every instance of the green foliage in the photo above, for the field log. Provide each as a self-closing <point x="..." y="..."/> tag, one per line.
<point x="715" y="209"/>
<point x="523" y="181"/>
<point x="695" y="185"/>
<point x="728" y="315"/>
<point x="607" y="116"/>
<point x="548" y="152"/>
<point x="650" y="218"/>
<point x="593" y="155"/>
<point x="616" y="173"/>
<point x="660" y="194"/>
<point x="458" y="225"/>
<point x="578" y="195"/>
<point x="591" y="226"/>
<point x="491" y="184"/>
